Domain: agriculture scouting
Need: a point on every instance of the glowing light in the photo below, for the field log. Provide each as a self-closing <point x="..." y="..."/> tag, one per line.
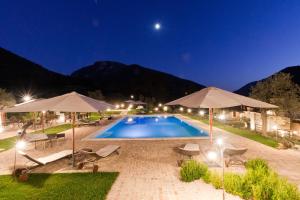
<point x="156" y="119"/>
<point x="156" y="109"/>
<point x="189" y="110"/>
<point x="201" y="112"/>
<point x="129" y="119"/>
<point x="212" y="156"/>
<point x="157" y="26"/>
<point x="181" y="109"/>
<point x="219" y="141"/>
<point x="20" y="145"/>
<point x="275" y="127"/>
<point x="61" y="118"/>
<point x="43" y="111"/>
<point x="130" y="106"/>
<point x="221" y="117"/>
<point x="159" y="105"/>
<point x="108" y="109"/>
<point x="117" y="106"/>
<point x="165" y="108"/>
<point x="132" y="96"/>
<point x="122" y="105"/>
<point x="26" y="98"/>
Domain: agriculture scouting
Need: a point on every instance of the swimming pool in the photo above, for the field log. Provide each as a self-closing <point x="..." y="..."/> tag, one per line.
<point x="151" y="127"/>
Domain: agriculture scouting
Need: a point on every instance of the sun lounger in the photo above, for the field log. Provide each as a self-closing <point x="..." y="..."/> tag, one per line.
<point x="101" y="153"/>
<point x="189" y="149"/>
<point x="88" y="123"/>
<point x="234" y="156"/>
<point x="47" y="159"/>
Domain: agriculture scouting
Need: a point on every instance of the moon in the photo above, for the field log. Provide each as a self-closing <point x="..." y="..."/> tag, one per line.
<point x="157" y="26"/>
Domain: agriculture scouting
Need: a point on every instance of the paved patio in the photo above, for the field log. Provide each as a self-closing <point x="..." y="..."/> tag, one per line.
<point x="148" y="168"/>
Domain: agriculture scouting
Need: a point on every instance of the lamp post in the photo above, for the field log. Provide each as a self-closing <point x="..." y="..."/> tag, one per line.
<point x="221" y="149"/>
<point x="20" y="145"/>
<point x="212" y="155"/>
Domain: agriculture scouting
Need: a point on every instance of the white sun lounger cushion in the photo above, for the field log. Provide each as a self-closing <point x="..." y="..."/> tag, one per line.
<point x="107" y="150"/>
<point x="191" y="147"/>
<point x="55" y="156"/>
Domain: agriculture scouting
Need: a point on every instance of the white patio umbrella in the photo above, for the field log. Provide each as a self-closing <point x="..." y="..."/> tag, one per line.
<point x="70" y="102"/>
<point x="212" y="97"/>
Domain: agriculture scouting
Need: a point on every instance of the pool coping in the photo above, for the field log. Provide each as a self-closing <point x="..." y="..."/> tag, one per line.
<point x="92" y="136"/>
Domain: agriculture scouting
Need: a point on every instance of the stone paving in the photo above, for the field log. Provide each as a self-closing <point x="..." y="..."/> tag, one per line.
<point x="148" y="168"/>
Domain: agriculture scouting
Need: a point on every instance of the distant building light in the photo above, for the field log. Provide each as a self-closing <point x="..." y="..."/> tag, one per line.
<point x="201" y="112"/>
<point x="117" y="106"/>
<point x="156" y="109"/>
<point x="189" y="110"/>
<point x="132" y="96"/>
<point x="221" y="117"/>
<point x="108" y="109"/>
<point x="159" y="105"/>
<point x="165" y="108"/>
<point x="181" y="109"/>
<point x="274" y="127"/>
<point x="122" y="105"/>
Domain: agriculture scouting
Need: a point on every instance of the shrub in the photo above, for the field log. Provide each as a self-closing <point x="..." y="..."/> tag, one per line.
<point x="192" y="170"/>
<point x="233" y="183"/>
<point x="259" y="182"/>
<point x="216" y="179"/>
<point x="285" y="190"/>
<point x="264" y="188"/>
<point x="257" y="163"/>
<point x="252" y="178"/>
<point x="206" y="177"/>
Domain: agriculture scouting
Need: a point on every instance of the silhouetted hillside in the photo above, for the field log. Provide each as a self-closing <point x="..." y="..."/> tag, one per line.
<point x="20" y="75"/>
<point x="116" y="79"/>
<point x="294" y="71"/>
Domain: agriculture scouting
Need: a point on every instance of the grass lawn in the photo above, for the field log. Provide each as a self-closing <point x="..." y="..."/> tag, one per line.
<point x="55" y="129"/>
<point x="242" y="132"/>
<point x="8" y="143"/>
<point x="58" y="186"/>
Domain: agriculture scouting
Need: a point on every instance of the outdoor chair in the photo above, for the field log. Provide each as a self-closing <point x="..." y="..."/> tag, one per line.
<point x="88" y="123"/>
<point x="47" y="159"/>
<point x="189" y="149"/>
<point x="90" y="157"/>
<point x="234" y="156"/>
<point x="60" y="136"/>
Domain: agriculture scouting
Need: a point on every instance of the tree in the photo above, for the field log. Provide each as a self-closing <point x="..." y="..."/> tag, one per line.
<point x="280" y="90"/>
<point x="6" y="99"/>
<point x="97" y="94"/>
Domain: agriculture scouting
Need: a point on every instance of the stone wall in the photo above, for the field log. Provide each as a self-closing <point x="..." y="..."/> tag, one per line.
<point x="273" y="122"/>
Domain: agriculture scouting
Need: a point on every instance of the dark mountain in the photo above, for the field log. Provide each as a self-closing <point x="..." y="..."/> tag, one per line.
<point x="20" y="75"/>
<point x="294" y="71"/>
<point x="117" y="79"/>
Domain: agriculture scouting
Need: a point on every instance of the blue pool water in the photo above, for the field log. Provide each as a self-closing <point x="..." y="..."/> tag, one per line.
<point x="151" y="127"/>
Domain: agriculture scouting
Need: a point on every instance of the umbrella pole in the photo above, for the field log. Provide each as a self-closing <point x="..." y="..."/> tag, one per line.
<point x="211" y="124"/>
<point x="73" y="139"/>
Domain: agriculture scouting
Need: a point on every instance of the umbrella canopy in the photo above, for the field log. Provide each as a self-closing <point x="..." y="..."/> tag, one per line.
<point x="70" y="102"/>
<point x="212" y="97"/>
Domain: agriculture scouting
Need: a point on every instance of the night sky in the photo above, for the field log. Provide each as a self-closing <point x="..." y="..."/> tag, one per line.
<point x="215" y="43"/>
